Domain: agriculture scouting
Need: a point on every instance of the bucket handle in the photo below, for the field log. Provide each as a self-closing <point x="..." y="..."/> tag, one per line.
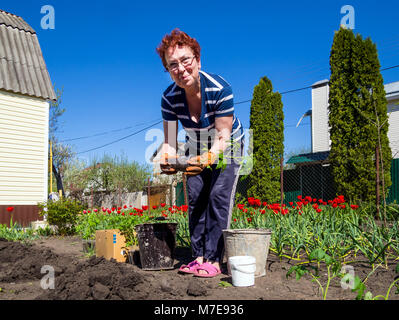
<point x="241" y="270"/>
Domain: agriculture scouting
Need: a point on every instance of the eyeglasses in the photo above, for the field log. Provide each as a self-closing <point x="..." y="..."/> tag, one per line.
<point x="174" y="66"/>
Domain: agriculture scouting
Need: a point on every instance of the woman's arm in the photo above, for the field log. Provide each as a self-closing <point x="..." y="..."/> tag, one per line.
<point x="170" y="141"/>
<point x="223" y="126"/>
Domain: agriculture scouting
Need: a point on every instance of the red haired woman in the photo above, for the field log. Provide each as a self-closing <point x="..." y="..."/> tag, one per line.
<point x="203" y="103"/>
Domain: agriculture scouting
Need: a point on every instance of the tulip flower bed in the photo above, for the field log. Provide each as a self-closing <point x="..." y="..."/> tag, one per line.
<point x="342" y="230"/>
<point x="338" y="228"/>
<point x="311" y="240"/>
<point x="127" y="217"/>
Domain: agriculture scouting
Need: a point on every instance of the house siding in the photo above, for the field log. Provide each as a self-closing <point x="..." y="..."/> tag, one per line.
<point x="23" y="149"/>
<point x="393" y="131"/>
<point x="320" y="128"/>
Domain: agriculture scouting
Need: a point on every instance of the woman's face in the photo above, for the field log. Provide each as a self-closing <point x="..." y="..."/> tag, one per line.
<point x="182" y="65"/>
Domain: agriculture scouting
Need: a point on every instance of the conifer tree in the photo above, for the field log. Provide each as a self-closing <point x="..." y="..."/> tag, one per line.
<point x="266" y="123"/>
<point x="358" y="117"/>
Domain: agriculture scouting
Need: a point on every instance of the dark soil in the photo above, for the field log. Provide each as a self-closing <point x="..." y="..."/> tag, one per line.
<point x="78" y="277"/>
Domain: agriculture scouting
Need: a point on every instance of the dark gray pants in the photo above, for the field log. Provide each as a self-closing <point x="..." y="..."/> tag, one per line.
<point x="211" y="199"/>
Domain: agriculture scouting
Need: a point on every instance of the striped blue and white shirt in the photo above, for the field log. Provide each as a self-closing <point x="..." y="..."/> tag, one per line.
<point x="217" y="101"/>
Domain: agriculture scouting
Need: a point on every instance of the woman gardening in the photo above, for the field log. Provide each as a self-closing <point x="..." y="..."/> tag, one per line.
<point x="203" y="103"/>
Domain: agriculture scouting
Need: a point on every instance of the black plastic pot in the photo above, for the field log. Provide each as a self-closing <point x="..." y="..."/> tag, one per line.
<point x="157" y="244"/>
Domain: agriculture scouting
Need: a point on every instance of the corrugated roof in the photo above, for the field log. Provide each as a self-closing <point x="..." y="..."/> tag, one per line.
<point x="22" y="67"/>
<point x="309" y="157"/>
<point x="11" y="20"/>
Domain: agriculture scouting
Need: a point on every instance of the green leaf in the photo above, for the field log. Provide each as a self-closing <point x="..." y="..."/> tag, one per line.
<point x="299" y="272"/>
<point x="317" y="254"/>
<point x="225" y="284"/>
<point x="359" y="287"/>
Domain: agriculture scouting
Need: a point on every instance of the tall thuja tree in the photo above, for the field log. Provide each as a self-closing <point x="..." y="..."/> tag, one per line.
<point x="374" y="113"/>
<point x="356" y="104"/>
<point x="267" y="125"/>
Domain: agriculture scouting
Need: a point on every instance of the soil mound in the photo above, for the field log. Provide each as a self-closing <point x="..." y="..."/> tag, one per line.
<point x="90" y="279"/>
<point x="24" y="262"/>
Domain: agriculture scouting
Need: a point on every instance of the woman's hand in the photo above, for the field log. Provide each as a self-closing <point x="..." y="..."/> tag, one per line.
<point x="165" y="164"/>
<point x="199" y="163"/>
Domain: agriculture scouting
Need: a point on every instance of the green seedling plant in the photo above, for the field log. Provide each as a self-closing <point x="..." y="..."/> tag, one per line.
<point x="16" y="233"/>
<point x="360" y="288"/>
<point x="225" y="284"/>
<point x="90" y="252"/>
<point x="318" y="255"/>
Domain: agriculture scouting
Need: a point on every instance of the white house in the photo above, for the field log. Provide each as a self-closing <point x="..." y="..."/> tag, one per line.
<point x="319" y="116"/>
<point x="25" y="92"/>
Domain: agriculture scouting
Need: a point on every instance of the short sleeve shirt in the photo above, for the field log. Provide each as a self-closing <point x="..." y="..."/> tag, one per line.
<point x="217" y="101"/>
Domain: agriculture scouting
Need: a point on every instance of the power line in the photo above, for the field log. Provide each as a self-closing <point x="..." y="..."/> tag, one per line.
<point x="390" y="68"/>
<point x="137" y="132"/>
<point x="106" y="132"/>
<point x="123" y="138"/>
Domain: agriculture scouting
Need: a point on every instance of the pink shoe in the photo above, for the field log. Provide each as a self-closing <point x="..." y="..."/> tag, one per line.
<point x="192" y="267"/>
<point x="210" y="268"/>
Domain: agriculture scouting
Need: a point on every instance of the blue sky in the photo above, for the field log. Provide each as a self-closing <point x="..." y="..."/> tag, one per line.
<point x="102" y="54"/>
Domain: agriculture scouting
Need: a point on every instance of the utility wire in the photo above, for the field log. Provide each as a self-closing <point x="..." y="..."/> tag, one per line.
<point x="123" y="138"/>
<point x="106" y="132"/>
<point x="137" y="132"/>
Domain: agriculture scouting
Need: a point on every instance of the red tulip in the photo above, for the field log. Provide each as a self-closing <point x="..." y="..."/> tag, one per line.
<point x="10" y="209"/>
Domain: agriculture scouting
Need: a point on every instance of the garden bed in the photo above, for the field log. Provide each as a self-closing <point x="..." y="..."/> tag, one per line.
<point x="78" y="276"/>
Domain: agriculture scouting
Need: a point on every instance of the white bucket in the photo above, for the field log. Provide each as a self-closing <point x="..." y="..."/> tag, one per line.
<point x="242" y="270"/>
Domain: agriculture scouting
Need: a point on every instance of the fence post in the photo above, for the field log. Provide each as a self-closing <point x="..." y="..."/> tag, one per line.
<point x="148" y="197"/>
<point x="281" y="182"/>
<point x="377" y="165"/>
<point x="184" y="189"/>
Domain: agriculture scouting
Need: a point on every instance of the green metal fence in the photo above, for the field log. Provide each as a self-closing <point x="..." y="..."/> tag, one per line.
<point x="393" y="195"/>
<point x="313" y="180"/>
<point x="179" y="192"/>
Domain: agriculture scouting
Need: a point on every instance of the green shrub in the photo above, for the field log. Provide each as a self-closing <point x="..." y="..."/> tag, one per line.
<point x="62" y="213"/>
